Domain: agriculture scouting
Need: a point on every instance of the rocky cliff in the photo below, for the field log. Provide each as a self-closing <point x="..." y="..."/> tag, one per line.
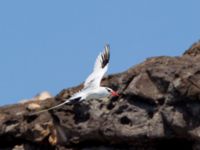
<point x="158" y="108"/>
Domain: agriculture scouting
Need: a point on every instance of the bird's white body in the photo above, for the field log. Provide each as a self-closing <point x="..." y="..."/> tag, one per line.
<point x="92" y="88"/>
<point x="92" y="93"/>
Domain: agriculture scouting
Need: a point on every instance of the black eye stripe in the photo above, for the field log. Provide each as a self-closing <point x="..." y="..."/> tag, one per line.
<point x="108" y="90"/>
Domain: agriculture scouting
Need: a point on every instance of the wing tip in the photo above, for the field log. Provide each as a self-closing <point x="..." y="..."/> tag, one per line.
<point x="107" y="47"/>
<point x="105" y="55"/>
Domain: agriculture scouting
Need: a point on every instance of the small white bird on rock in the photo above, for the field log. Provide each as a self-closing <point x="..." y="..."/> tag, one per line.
<point x="92" y="88"/>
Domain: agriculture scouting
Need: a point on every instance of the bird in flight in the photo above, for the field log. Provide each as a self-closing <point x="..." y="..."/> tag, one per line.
<point x="92" y="88"/>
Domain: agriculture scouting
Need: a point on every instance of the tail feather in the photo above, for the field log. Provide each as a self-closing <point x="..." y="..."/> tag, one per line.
<point x="65" y="102"/>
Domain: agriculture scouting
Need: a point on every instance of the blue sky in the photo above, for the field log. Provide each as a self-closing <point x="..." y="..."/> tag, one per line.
<point x="51" y="45"/>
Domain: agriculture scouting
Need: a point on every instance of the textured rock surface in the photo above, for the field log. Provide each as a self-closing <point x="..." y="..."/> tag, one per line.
<point x="159" y="108"/>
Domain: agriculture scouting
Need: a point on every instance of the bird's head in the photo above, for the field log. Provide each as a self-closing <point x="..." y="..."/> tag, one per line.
<point x="112" y="92"/>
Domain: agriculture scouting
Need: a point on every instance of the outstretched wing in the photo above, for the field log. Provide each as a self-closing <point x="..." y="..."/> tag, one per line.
<point x="100" y="68"/>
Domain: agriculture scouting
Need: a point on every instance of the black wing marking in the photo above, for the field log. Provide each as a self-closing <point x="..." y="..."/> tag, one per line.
<point x="105" y="56"/>
<point x="74" y="101"/>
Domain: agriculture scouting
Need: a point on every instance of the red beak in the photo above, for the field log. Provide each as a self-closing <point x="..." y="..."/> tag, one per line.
<point x="113" y="93"/>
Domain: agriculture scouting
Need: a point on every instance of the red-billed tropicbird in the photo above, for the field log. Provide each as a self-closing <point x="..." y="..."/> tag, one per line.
<point x="92" y="88"/>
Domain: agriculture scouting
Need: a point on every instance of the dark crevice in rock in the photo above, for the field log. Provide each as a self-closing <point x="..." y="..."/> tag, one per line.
<point x="81" y="113"/>
<point x="151" y="114"/>
<point x="161" y="101"/>
<point x="125" y="120"/>
<point x="141" y="102"/>
<point x="11" y="122"/>
<point x="110" y="106"/>
<point x="112" y="103"/>
<point x="30" y="118"/>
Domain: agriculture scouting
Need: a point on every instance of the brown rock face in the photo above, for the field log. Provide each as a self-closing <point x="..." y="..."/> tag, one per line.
<point x="158" y="108"/>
